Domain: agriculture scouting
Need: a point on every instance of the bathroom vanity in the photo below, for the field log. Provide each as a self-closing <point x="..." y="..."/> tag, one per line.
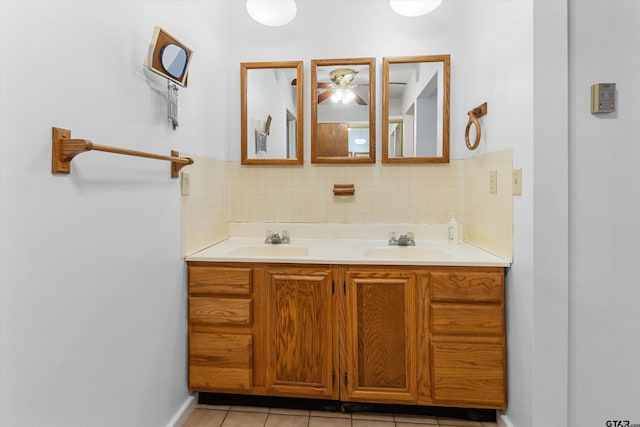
<point x="349" y="319"/>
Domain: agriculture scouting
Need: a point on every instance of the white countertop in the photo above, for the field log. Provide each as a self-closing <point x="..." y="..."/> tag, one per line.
<point x="345" y="244"/>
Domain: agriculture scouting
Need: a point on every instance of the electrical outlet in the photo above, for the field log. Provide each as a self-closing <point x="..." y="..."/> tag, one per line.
<point x="186" y="183"/>
<point x="517" y="182"/>
<point x="493" y="182"/>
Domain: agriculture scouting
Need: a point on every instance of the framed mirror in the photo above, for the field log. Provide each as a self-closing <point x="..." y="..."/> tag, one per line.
<point x="343" y="113"/>
<point x="271" y="113"/>
<point x="415" y="109"/>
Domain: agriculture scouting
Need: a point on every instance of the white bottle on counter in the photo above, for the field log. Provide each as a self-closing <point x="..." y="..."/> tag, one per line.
<point x="452" y="231"/>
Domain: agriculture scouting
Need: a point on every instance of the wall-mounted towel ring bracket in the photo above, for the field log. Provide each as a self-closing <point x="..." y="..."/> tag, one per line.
<point x="64" y="149"/>
<point x="474" y="114"/>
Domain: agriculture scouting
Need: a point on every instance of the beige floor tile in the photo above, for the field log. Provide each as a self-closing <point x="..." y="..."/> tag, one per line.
<point x="374" y="416"/>
<point x="239" y="408"/>
<point x="414" y="425"/>
<point x="415" y="419"/>
<point x="372" y="423"/>
<point x="245" y="419"/>
<point x="216" y="407"/>
<point x="287" y="411"/>
<point x="205" y="418"/>
<point x="329" y="422"/>
<point x="451" y="422"/>
<point x="329" y="414"/>
<point x="280" y="420"/>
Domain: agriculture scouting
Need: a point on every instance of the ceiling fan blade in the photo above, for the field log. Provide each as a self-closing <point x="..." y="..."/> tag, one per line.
<point x="324" y="95"/>
<point x="359" y="100"/>
<point x="294" y="82"/>
<point x="322" y="85"/>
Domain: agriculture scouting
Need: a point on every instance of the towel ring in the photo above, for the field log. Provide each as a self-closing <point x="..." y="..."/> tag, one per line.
<point x="473" y="120"/>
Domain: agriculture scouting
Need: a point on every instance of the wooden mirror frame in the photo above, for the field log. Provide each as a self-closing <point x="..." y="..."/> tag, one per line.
<point x="446" y="61"/>
<point x="371" y="62"/>
<point x="244" y="132"/>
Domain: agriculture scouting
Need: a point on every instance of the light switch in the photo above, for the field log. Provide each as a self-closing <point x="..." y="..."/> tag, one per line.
<point x="493" y="182"/>
<point x="186" y="183"/>
<point x="603" y="98"/>
<point x="517" y="182"/>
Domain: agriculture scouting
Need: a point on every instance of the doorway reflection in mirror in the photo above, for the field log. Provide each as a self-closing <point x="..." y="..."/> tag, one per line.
<point x="416" y="109"/>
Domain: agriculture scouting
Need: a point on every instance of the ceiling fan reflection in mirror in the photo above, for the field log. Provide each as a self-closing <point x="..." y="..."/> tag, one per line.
<point x="341" y="88"/>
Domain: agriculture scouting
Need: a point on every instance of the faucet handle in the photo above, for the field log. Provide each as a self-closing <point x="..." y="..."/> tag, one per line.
<point x="392" y="239"/>
<point x="410" y="238"/>
<point x="285" y="236"/>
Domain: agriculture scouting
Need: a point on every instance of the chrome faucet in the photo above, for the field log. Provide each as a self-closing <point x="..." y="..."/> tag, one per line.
<point x="405" y="239"/>
<point x="275" y="238"/>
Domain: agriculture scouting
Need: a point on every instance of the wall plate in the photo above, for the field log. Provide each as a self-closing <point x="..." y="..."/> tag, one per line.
<point x="493" y="182"/>
<point x="517" y="182"/>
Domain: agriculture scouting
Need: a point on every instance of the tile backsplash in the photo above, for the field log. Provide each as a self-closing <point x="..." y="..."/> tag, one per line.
<point x="488" y="218"/>
<point x="223" y="192"/>
<point x="382" y="193"/>
<point x="205" y="212"/>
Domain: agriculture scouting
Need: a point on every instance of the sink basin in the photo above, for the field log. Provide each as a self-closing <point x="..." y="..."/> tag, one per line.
<point x="269" y="251"/>
<point x="408" y="252"/>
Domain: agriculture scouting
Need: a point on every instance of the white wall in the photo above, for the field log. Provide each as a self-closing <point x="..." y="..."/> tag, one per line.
<point x="92" y="286"/>
<point x="604" y="344"/>
<point x="498" y="67"/>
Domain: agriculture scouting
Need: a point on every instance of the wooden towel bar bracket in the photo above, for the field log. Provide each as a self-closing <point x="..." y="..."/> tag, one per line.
<point x="64" y="149"/>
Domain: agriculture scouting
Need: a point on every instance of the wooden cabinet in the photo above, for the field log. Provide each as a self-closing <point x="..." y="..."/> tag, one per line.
<point x="299" y="331"/>
<point x="220" y="334"/>
<point x="381" y="336"/>
<point x="389" y="334"/>
<point x="468" y="338"/>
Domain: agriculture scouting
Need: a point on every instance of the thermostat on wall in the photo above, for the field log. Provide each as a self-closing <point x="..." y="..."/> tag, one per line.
<point x="603" y="98"/>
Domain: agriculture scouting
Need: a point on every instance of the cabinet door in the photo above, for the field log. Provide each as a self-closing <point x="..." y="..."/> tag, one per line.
<point x="300" y="349"/>
<point x="381" y="337"/>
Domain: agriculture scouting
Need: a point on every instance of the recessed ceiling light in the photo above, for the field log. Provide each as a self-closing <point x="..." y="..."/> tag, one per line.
<point x="414" y="7"/>
<point x="272" y="13"/>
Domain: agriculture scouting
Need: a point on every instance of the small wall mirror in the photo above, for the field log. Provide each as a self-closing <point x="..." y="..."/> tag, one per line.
<point x="343" y="124"/>
<point x="168" y="57"/>
<point x="415" y="109"/>
<point x="271" y="113"/>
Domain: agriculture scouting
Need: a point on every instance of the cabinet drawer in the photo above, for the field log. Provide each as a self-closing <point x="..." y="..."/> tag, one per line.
<point x="469" y="373"/>
<point x="220" y="361"/>
<point x="219" y="280"/>
<point x="220" y="311"/>
<point x="467" y="319"/>
<point x="467" y="287"/>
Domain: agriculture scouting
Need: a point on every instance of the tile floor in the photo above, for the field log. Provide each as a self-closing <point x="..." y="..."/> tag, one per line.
<point x="250" y="416"/>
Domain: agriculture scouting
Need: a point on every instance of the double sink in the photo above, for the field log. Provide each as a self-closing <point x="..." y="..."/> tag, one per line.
<point x="348" y="251"/>
<point x="375" y="252"/>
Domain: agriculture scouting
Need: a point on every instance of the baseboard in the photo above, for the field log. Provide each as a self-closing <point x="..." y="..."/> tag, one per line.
<point x="185" y="410"/>
<point x="503" y="420"/>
